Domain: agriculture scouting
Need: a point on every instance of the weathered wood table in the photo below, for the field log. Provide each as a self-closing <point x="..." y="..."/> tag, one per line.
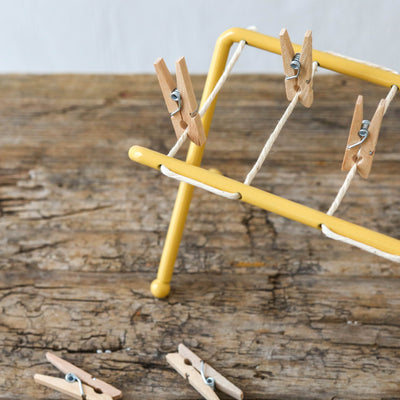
<point x="279" y="309"/>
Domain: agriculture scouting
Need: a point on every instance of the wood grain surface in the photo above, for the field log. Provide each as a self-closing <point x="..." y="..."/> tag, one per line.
<point x="277" y="308"/>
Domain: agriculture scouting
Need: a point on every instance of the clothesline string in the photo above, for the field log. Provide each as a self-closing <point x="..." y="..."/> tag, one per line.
<point x="275" y="133"/>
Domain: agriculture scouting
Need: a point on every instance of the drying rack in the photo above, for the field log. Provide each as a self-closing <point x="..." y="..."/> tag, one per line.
<point x="191" y="170"/>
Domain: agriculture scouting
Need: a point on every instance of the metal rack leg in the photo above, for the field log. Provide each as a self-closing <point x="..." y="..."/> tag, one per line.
<point x="160" y="287"/>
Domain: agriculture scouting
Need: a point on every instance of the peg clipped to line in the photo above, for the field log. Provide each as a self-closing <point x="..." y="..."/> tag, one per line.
<point x="180" y="100"/>
<point x="362" y="140"/>
<point x="297" y="68"/>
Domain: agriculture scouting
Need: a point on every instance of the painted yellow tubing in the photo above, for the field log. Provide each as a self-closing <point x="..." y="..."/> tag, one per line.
<point x="267" y="201"/>
<point x="160" y="287"/>
<point x="333" y="62"/>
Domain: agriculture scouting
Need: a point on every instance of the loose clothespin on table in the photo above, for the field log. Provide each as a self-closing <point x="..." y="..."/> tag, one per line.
<point x="362" y="140"/>
<point x="180" y="100"/>
<point x="200" y="375"/>
<point x="298" y="68"/>
<point x="78" y="383"/>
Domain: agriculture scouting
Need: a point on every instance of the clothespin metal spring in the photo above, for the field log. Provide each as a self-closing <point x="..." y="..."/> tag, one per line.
<point x="362" y="133"/>
<point x="176" y="96"/>
<point x="71" y="378"/>
<point x="208" y="381"/>
<point x="295" y="64"/>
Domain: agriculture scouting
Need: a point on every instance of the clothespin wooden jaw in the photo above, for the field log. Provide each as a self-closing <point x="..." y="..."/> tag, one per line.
<point x="362" y="140"/>
<point x="71" y="389"/>
<point x="201" y="375"/>
<point x="297" y="68"/>
<point x="93" y="389"/>
<point x="180" y="100"/>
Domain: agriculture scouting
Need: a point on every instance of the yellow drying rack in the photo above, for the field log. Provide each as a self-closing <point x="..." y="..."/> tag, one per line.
<point x="160" y="287"/>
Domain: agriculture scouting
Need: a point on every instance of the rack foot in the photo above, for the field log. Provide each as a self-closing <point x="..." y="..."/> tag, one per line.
<point x="159" y="288"/>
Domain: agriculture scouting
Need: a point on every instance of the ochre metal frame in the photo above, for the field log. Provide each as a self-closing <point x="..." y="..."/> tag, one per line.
<point x="160" y="287"/>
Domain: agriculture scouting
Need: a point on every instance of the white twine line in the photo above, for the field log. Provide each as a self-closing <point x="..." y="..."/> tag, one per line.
<point x="271" y="140"/>
<point x="390" y="96"/>
<point x="178" y="143"/>
<point x="181" y="178"/>
<point x="332" y="235"/>
<point x="346" y="184"/>
<point x="339" y="197"/>
<point x="274" y="135"/>
<point x="223" y="78"/>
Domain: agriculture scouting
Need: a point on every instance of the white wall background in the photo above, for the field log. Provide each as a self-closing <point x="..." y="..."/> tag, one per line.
<point x="126" y="36"/>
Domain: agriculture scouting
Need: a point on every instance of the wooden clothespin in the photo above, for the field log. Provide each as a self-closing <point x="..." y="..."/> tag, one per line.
<point x="298" y="68"/>
<point x="78" y="383"/>
<point x="362" y="140"/>
<point x="180" y="100"/>
<point x="200" y="375"/>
